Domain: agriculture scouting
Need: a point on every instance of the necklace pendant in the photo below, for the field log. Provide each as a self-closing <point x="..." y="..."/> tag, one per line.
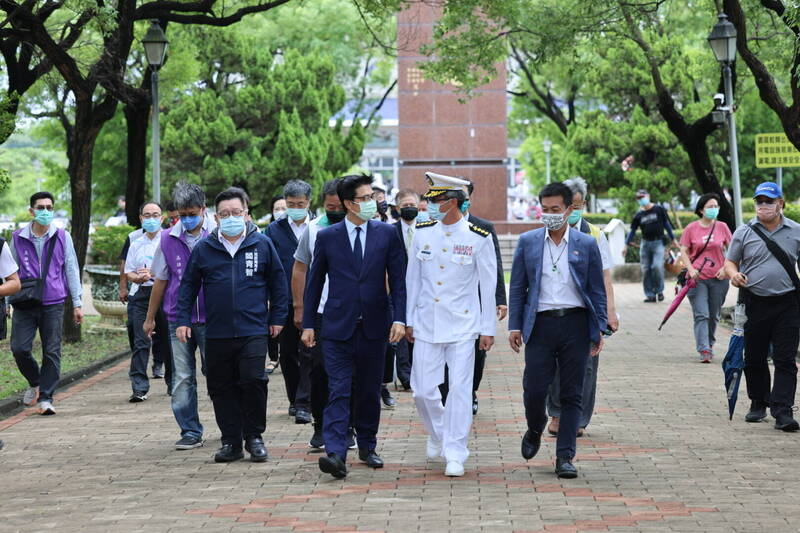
<point x="555" y="268"/>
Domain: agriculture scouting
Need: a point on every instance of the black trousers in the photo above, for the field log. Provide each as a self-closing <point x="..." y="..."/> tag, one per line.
<point x="296" y="371"/>
<point x="477" y="376"/>
<point x="771" y="321"/>
<point x="237" y="385"/>
<point x="563" y="343"/>
<point x="162" y="347"/>
<point x="274" y="350"/>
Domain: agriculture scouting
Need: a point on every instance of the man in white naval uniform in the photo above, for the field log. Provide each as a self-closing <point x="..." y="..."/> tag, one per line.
<point x="451" y="269"/>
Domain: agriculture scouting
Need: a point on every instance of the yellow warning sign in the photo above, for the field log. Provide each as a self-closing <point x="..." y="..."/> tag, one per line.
<point x="774" y="150"/>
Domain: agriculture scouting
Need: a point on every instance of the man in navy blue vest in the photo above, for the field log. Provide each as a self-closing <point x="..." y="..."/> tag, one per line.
<point x="285" y="234"/>
<point x="358" y="255"/>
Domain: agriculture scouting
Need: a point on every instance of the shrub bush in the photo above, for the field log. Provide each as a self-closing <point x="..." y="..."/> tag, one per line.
<point x="107" y="243"/>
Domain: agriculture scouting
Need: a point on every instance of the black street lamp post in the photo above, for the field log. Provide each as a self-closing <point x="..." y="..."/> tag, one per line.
<point x="155" y="48"/>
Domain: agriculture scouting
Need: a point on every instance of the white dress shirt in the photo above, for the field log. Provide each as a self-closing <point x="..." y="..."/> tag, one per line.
<point x="140" y="255"/>
<point x="558" y="290"/>
<point x="298" y="229"/>
<point x="351" y="234"/>
<point x="232" y="247"/>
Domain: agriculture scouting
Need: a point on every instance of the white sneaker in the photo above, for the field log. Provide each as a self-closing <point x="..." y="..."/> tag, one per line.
<point x="46" y="408"/>
<point x="433" y="449"/>
<point x="454" y="469"/>
<point x="30" y="396"/>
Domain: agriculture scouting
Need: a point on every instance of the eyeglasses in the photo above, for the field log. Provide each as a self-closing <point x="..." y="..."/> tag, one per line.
<point x="365" y="198"/>
<point x="151" y="215"/>
<point x="43" y="207"/>
<point x="765" y="201"/>
<point x="235" y="213"/>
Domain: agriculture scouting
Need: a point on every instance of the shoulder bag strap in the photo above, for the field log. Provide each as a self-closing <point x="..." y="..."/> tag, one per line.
<point x="780" y="255"/>
<point x="703" y="249"/>
<point x="48" y="255"/>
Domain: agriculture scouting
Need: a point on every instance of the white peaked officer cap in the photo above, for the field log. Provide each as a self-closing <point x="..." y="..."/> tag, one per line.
<point x="439" y="184"/>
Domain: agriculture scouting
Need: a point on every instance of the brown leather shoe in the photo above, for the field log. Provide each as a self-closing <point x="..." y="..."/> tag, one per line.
<point x="553" y="427"/>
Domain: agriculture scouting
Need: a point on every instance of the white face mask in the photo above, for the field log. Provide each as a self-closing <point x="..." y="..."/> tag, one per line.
<point x="553" y="221"/>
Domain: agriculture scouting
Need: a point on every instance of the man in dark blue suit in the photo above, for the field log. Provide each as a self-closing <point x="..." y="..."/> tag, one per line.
<point x="558" y="308"/>
<point x="358" y="255"/>
<point x="285" y="234"/>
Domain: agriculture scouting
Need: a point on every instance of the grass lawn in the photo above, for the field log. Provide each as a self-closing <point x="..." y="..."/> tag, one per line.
<point x="73" y="356"/>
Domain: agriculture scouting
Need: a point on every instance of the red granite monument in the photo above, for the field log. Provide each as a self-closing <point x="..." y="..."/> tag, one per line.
<point x="436" y="132"/>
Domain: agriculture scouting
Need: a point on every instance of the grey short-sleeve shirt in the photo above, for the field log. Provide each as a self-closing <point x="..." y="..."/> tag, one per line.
<point x="303" y="251"/>
<point x="765" y="275"/>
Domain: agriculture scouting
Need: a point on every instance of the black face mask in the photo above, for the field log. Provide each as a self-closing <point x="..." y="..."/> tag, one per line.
<point x="335" y="216"/>
<point x="409" y="213"/>
<point x="383" y="206"/>
<point x="395" y="214"/>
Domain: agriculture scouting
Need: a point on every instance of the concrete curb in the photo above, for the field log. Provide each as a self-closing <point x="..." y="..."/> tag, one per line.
<point x="12" y="404"/>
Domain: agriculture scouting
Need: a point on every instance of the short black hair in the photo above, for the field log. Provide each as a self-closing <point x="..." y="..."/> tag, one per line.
<point x="141" y="207"/>
<point x="470" y="184"/>
<point x="275" y="200"/>
<point x="346" y="188"/>
<point x="329" y="188"/>
<point x="230" y="193"/>
<point x="702" y="201"/>
<point x="41" y="195"/>
<point x="170" y="206"/>
<point x="557" y="189"/>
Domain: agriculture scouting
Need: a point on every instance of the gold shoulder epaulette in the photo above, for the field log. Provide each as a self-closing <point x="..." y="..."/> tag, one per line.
<point x="426" y="224"/>
<point x="480" y="231"/>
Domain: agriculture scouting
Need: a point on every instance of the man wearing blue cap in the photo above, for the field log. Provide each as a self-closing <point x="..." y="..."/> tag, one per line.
<point x="761" y="262"/>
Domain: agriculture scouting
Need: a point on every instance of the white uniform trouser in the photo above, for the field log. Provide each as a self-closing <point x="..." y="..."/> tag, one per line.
<point x="449" y="424"/>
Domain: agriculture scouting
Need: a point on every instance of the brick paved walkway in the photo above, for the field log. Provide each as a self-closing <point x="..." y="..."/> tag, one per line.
<point x="660" y="455"/>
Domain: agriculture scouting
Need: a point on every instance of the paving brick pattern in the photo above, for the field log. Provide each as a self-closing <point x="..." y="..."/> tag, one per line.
<point x="660" y="455"/>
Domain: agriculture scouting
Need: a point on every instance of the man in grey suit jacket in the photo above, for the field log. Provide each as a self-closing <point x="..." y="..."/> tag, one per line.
<point x="558" y="309"/>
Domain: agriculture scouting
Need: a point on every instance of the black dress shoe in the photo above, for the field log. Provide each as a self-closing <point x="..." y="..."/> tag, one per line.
<point x="474" y="404"/>
<point x="317" y="442"/>
<point x="565" y="468"/>
<point x="292" y="411"/>
<point x="649" y="300"/>
<point x="406" y="385"/>
<point x="330" y="464"/>
<point x="531" y="443"/>
<point x="302" y="416"/>
<point x="228" y="454"/>
<point x="388" y="401"/>
<point x="785" y="422"/>
<point x="371" y="458"/>
<point x="660" y="296"/>
<point x="351" y="439"/>
<point x="258" y="452"/>
<point x="757" y="413"/>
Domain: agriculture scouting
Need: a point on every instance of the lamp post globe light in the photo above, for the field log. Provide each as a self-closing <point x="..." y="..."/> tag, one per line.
<point x="547" y="144"/>
<point x="723" y="43"/>
<point x="155" y="48"/>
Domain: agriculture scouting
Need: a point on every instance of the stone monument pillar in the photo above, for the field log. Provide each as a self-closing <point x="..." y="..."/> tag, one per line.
<point x="436" y="132"/>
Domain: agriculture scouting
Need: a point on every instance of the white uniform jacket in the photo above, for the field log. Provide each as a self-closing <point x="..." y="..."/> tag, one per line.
<point x="451" y="270"/>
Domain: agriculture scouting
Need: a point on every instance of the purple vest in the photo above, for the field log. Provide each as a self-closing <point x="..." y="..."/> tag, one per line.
<point x="55" y="286"/>
<point x="176" y="253"/>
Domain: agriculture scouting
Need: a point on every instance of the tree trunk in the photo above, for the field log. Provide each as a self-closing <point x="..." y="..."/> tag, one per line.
<point x="695" y="142"/>
<point x="136" y="120"/>
<point x="81" y="139"/>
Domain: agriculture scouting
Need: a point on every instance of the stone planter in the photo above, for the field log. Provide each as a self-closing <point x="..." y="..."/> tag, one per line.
<point x="105" y="287"/>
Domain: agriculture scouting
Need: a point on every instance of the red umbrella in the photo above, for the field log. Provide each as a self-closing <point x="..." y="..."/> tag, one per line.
<point x="690" y="284"/>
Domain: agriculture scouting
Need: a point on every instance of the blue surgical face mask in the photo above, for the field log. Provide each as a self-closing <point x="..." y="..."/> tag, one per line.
<point x="151" y="225"/>
<point x="574" y="217"/>
<point x="423" y="216"/>
<point x="296" y="214"/>
<point x="189" y="222"/>
<point x="368" y="210"/>
<point x="232" y="226"/>
<point x="644" y="200"/>
<point x="43" y="216"/>
<point x="712" y="212"/>
<point x="434" y="210"/>
<point x="465" y="206"/>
